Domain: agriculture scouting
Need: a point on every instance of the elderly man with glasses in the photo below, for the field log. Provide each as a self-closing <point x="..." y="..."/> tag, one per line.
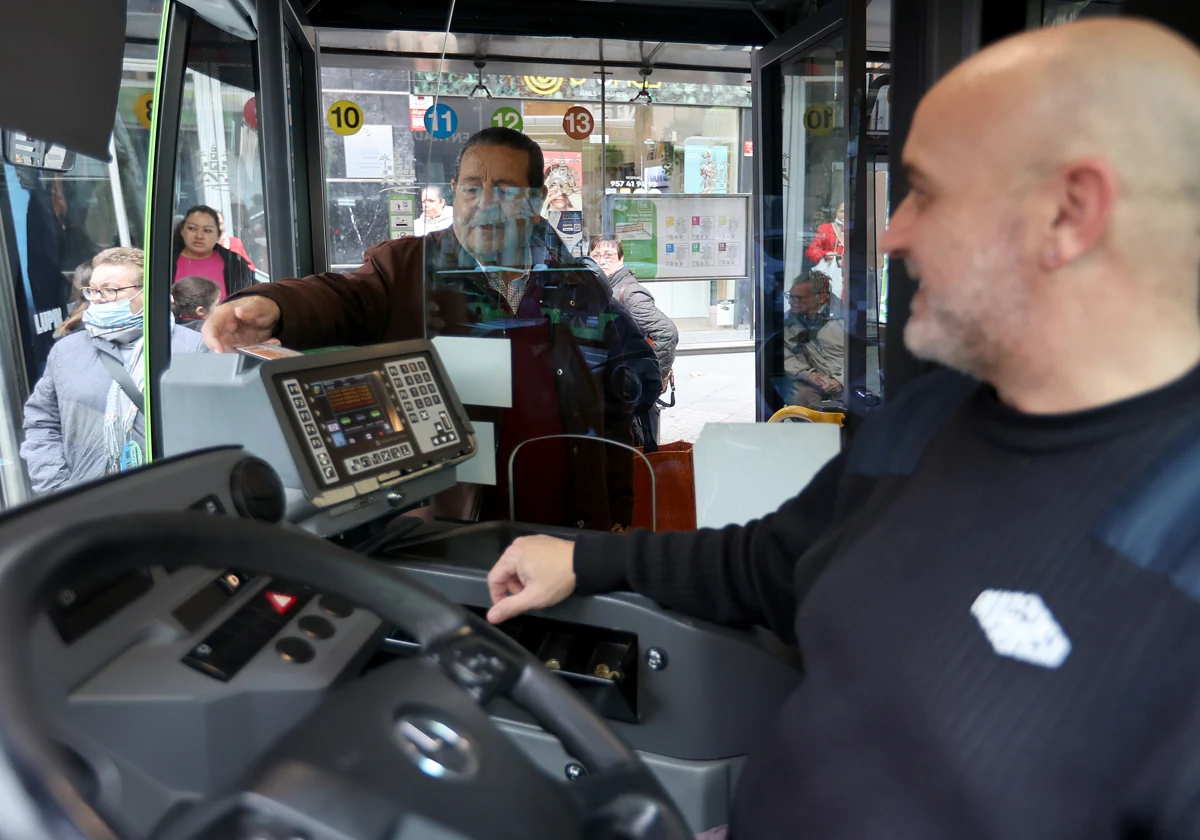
<point x="499" y="272"/>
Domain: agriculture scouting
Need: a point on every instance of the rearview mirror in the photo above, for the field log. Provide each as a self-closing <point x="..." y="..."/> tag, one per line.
<point x="22" y="150"/>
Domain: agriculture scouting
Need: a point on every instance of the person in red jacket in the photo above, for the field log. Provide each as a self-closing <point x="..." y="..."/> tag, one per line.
<point x="827" y="248"/>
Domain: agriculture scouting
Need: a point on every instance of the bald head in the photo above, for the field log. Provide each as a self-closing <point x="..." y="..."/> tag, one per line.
<point x="1127" y="91"/>
<point x="1053" y="186"/>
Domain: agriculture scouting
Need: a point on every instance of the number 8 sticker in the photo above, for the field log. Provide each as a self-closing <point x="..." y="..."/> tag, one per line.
<point x="578" y="123"/>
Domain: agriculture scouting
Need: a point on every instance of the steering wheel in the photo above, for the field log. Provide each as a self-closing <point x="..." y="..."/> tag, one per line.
<point x="405" y="751"/>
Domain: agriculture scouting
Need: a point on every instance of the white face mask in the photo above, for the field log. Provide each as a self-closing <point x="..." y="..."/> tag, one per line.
<point x="839" y="222"/>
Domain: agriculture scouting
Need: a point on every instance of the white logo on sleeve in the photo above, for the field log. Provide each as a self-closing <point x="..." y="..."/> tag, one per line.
<point x="1020" y="626"/>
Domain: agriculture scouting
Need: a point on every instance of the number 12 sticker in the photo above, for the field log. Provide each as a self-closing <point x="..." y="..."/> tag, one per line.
<point x="578" y="123"/>
<point x="508" y="118"/>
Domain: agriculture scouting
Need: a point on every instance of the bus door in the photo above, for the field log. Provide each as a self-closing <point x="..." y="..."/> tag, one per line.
<point x="234" y="137"/>
<point x="59" y="206"/>
<point x="816" y="208"/>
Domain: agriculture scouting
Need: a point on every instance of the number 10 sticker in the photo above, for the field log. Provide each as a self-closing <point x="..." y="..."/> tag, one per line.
<point x="345" y="117"/>
<point x="578" y="123"/>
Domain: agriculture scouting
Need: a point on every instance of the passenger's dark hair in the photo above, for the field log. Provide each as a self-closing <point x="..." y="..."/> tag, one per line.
<point x="198" y="208"/>
<point x="191" y="293"/>
<point x="79" y="281"/>
<point x="819" y="280"/>
<point x="437" y="189"/>
<point x="509" y="139"/>
<point x="605" y="239"/>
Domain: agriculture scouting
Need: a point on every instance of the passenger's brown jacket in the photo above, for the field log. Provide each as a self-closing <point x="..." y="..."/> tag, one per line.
<point x="594" y="348"/>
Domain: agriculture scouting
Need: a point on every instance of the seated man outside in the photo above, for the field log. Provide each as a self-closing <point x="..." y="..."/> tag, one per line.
<point x="193" y="299"/>
<point x="85" y="416"/>
<point x="814" y="343"/>
<point x="500" y="271"/>
<point x="997" y="642"/>
<point x="660" y="331"/>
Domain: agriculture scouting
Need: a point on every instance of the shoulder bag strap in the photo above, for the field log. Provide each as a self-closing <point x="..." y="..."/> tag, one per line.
<point x="117" y="371"/>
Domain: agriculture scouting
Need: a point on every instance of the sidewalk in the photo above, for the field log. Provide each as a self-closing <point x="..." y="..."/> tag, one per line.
<point x="709" y="389"/>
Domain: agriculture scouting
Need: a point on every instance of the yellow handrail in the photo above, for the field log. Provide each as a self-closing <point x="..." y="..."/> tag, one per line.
<point x="811" y="415"/>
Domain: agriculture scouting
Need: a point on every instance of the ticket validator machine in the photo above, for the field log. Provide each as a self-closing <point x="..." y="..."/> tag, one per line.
<point x="353" y="433"/>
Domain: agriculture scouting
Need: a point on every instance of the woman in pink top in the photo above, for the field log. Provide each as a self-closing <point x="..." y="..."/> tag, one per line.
<point x="198" y="253"/>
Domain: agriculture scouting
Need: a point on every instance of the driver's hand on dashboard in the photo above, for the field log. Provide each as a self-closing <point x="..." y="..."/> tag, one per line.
<point x="534" y="573"/>
<point x="241" y="323"/>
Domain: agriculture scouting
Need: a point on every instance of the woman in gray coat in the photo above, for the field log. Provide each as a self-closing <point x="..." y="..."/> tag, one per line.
<point x="82" y="420"/>
<point x="660" y="331"/>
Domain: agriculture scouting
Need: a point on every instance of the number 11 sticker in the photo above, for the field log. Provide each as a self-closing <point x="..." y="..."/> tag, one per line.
<point x="578" y="123"/>
<point x="441" y="121"/>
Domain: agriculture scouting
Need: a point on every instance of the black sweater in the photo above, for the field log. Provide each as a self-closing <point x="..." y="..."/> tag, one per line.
<point x="910" y="722"/>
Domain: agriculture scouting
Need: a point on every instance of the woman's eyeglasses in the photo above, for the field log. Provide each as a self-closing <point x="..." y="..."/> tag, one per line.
<point x="105" y="294"/>
<point x="605" y="255"/>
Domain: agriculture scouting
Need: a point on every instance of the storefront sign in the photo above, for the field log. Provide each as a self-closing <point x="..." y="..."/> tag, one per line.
<point x="508" y="118"/>
<point x="819" y="119"/>
<point x="441" y="121"/>
<point x="543" y="85"/>
<point x="748" y="148"/>
<point x="417" y="106"/>
<point x="578" y="123"/>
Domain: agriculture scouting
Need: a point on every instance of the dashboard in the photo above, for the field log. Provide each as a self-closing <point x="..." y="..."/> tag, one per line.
<point x="163" y="687"/>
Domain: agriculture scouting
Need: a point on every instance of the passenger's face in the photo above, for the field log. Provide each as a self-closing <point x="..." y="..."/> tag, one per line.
<point x="804" y="299"/>
<point x="841" y="214"/>
<point x="494" y="205"/>
<point x="432" y="205"/>
<point x="606" y="256"/>
<point x="126" y="280"/>
<point x="961" y="232"/>
<point x="200" y="233"/>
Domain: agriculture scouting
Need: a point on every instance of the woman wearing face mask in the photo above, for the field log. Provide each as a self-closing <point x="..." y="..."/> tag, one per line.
<point x="827" y="249"/>
<point x="198" y="253"/>
<point x="84" y="418"/>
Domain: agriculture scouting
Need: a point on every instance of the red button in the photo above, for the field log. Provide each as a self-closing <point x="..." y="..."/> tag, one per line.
<point x="279" y="602"/>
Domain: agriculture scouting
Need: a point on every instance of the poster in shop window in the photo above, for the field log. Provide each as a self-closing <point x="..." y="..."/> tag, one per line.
<point x="564" y="204"/>
<point x="705" y="169"/>
<point x="682" y="237"/>
<point x="369" y="153"/>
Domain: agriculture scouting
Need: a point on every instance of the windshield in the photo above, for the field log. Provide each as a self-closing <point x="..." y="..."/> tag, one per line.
<point x="574" y="228"/>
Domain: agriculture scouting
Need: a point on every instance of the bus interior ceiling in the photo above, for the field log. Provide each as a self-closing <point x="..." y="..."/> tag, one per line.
<point x="741" y="22"/>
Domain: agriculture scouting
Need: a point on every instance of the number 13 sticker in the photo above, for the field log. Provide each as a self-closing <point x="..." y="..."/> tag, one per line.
<point x="578" y="123"/>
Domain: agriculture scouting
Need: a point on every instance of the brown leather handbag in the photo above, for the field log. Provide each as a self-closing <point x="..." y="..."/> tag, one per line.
<point x="675" y="482"/>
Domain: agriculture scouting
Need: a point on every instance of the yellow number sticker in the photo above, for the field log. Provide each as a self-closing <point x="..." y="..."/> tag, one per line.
<point x="345" y="117"/>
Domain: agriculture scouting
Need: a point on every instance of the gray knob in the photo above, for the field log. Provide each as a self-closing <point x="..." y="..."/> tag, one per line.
<point x="395" y="498"/>
<point x="656" y="658"/>
<point x="574" y="771"/>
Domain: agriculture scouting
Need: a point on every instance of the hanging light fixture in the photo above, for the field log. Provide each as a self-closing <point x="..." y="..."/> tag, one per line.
<point x="480" y="91"/>
<point x="643" y="95"/>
